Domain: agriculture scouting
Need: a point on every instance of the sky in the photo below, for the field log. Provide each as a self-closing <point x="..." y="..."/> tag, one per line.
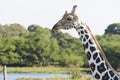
<point x="98" y="14"/>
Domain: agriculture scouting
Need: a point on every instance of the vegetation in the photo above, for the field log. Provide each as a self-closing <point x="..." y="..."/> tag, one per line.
<point x="39" y="46"/>
<point x="82" y="78"/>
<point x="74" y="72"/>
<point x="50" y="69"/>
<point x="77" y="73"/>
<point x="113" y="29"/>
<point x="111" y="47"/>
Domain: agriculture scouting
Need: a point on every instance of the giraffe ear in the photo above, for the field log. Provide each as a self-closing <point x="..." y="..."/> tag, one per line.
<point x="66" y="12"/>
<point x="73" y="9"/>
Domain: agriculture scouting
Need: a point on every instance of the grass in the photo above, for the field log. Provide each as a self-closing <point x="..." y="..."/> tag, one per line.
<point x="77" y="73"/>
<point x="50" y="69"/>
<point x="82" y="78"/>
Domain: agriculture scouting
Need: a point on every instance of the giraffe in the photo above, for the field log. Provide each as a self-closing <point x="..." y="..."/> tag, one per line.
<point x="99" y="65"/>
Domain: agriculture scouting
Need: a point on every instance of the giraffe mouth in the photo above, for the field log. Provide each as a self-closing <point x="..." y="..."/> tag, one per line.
<point x="56" y="26"/>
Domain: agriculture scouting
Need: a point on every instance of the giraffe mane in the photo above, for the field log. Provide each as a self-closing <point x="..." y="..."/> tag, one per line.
<point x="99" y="47"/>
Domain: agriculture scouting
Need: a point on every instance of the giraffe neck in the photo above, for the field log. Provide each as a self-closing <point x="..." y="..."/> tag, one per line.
<point x="100" y="67"/>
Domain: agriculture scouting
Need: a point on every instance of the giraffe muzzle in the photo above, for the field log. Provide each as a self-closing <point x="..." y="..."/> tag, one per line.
<point x="56" y="26"/>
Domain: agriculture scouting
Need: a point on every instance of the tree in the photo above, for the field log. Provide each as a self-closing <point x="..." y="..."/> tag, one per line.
<point x="111" y="48"/>
<point x="33" y="27"/>
<point x="113" y="29"/>
<point x="13" y="30"/>
<point x="43" y="47"/>
<point x="8" y="55"/>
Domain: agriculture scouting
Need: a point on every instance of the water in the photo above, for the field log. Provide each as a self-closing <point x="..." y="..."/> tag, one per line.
<point x="14" y="76"/>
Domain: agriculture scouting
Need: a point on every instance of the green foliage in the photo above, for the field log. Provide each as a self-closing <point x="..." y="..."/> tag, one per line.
<point x="39" y="46"/>
<point x="57" y="78"/>
<point x="111" y="47"/>
<point x="113" y="29"/>
<point x="12" y="30"/>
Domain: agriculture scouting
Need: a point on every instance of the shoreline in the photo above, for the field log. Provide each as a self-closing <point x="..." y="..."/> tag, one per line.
<point x="48" y="69"/>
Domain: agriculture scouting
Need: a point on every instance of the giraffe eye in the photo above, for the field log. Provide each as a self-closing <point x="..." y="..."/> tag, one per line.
<point x="69" y="18"/>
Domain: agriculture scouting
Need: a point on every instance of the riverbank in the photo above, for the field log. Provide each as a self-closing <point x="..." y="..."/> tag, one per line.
<point x="50" y="69"/>
<point x="77" y="73"/>
<point x="82" y="78"/>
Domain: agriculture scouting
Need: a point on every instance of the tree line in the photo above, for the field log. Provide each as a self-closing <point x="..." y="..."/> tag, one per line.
<point x="37" y="46"/>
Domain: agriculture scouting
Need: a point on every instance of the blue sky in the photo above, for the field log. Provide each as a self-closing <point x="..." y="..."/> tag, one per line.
<point x="98" y="14"/>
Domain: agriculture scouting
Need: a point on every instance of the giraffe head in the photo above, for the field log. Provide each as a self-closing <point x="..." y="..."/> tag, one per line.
<point x="68" y="21"/>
